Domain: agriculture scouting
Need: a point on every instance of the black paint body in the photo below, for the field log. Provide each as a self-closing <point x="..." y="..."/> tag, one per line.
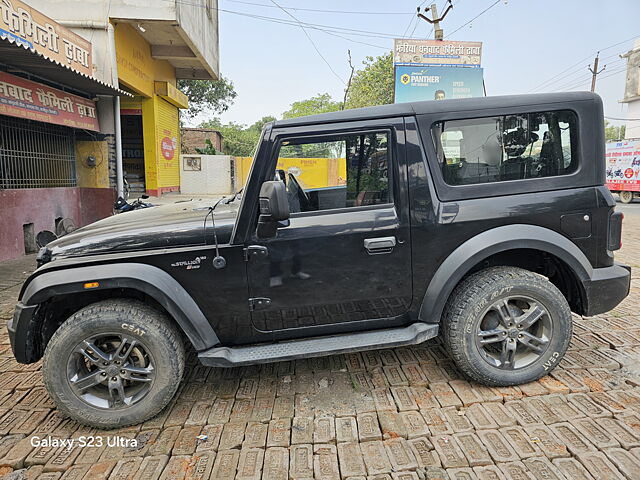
<point x="442" y="234"/>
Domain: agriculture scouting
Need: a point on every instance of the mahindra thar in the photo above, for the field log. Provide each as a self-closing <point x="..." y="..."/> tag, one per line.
<point x="485" y="221"/>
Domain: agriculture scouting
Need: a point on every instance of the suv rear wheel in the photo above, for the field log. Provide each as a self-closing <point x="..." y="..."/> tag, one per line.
<point x="506" y="326"/>
<point x="114" y="363"/>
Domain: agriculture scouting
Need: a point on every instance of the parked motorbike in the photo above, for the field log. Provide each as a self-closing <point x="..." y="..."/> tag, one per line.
<point x="122" y="205"/>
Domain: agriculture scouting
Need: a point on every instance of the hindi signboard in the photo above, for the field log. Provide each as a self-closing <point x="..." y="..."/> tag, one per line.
<point x="437" y="53"/>
<point x="623" y="165"/>
<point x="27" y="26"/>
<point x="34" y="101"/>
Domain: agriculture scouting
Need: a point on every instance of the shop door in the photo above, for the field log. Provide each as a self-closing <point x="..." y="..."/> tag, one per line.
<point x="133" y="153"/>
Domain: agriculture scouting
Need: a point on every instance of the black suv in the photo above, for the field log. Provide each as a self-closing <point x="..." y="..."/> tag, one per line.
<point x="485" y="219"/>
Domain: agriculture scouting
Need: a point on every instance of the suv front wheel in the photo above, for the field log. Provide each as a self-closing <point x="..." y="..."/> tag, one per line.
<point x="506" y="326"/>
<point x="114" y="363"/>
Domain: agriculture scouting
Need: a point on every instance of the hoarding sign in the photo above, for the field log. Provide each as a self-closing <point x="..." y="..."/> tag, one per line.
<point x="623" y="165"/>
<point x="34" y="101"/>
<point x="414" y="84"/>
<point x="27" y="26"/>
<point x="437" y="53"/>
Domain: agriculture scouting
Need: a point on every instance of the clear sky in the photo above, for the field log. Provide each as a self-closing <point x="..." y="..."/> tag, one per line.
<point x="525" y="43"/>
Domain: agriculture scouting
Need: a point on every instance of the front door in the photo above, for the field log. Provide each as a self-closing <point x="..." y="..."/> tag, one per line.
<point x="344" y="261"/>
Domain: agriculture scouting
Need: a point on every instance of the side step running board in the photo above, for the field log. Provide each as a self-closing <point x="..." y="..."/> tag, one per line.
<point x="317" y="347"/>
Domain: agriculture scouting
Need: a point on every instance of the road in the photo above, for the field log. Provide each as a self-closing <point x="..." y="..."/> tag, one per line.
<point x="405" y="413"/>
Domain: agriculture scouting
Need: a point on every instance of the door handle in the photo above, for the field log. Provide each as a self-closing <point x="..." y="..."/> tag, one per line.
<point x="377" y="246"/>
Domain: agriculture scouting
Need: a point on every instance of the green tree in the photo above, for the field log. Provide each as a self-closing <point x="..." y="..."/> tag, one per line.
<point x="321" y="103"/>
<point x="238" y="139"/>
<point x="613" y="132"/>
<point x="215" y="96"/>
<point x="373" y="84"/>
<point x="259" y="125"/>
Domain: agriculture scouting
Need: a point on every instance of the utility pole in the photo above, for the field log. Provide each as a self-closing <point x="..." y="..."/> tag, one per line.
<point x="595" y="72"/>
<point x="438" y="33"/>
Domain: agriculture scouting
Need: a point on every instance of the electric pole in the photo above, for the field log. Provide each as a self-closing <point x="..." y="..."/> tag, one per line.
<point x="595" y="72"/>
<point x="438" y="33"/>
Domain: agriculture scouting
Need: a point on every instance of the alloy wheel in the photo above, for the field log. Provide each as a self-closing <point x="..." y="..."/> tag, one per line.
<point x="110" y="370"/>
<point x="514" y="332"/>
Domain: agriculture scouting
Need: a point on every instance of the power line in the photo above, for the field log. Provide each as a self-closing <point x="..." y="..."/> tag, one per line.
<point x="356" y="12"/>
<point x="481" y="13"/>
<point x="344" y="30"/>
<point x="611" y="74"/>
<point x="312" y="42"/>
<point x="585" y="80"/>
<point x="579" y="62"/>
<point x="570" y="78"/>
<point x="582" y="61"/>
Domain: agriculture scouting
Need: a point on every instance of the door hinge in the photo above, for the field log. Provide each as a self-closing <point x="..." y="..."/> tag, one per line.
<point x="255" y="250"/>
<point x="258" y="303"/>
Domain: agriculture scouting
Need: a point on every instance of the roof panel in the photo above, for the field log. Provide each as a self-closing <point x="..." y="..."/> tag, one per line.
<point x="437" y="106"/>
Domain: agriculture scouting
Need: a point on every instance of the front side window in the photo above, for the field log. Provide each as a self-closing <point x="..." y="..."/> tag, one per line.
<point x="506" y="147"/>
<point x="340" y="171"/>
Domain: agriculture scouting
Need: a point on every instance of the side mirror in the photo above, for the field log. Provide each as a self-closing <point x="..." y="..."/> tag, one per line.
<point x="282" y="176"/>
<point x="144" y="196"/>
<point x="274" y="208"/>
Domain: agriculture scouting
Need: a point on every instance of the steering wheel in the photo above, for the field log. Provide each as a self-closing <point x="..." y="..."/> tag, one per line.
<point x="305" y="201"/>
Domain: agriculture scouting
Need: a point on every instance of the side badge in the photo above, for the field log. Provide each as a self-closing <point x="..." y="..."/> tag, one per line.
<point x="190" y="264"/>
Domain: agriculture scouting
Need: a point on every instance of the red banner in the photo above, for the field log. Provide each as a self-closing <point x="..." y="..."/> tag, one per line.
<point x="34" y="101"/>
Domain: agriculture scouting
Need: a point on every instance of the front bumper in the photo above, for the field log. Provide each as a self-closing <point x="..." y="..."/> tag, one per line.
<point x="20" y="335"/>
<point x="606" y="288"/>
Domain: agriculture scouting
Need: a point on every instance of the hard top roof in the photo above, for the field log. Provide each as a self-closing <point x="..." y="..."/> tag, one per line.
<point x="440" y="106"/>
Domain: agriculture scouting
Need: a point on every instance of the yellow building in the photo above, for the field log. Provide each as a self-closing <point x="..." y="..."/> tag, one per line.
<point x="150" y="120"/>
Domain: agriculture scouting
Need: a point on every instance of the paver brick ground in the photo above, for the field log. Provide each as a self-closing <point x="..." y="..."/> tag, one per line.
<point x="393" y="413"/>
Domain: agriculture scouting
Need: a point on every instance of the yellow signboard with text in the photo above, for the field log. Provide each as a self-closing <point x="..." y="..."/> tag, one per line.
<point x="136" y="68"/>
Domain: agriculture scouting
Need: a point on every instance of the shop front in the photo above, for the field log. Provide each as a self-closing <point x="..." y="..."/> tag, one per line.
<point x="54" y="158"/>
<point x="150" y="121"/>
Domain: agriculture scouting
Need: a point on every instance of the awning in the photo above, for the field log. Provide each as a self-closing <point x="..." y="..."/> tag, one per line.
<point x="24" y="57"/>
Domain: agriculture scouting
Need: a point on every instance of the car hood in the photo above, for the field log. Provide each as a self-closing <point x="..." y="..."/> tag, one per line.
<point x="173" y="225"/>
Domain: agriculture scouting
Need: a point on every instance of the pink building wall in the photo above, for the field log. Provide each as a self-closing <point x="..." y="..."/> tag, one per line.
<point x="41" y="206"/>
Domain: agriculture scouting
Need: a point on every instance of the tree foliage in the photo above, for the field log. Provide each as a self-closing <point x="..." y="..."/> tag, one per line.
<point x="613" y="132"/>
<point x="321" y="103"/>
<point x="373" y="84"/>
<point x="215" y="96"/>
<point x="238" y="139"/>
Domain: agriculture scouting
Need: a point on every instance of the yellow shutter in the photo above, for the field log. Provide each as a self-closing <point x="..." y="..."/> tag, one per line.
<point x="168" y="144"/>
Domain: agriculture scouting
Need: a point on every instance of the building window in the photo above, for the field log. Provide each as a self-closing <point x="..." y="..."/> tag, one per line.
<point x="507" y="147"/>
<point x="36" y="155"/>
<point x="335" y="172"/>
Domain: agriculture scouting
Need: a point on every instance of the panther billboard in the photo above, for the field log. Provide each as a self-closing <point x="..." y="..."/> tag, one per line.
<point x="437" y="70"/>
<point x="414" y="84"/>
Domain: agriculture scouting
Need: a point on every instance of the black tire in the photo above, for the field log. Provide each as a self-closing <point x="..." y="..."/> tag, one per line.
<point x="153" y="342"/>
<point x="473" y="314"/>
<point x="626" y="196"/>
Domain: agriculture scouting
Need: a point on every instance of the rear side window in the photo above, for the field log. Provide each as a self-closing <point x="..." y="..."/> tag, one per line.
<point x="506" y="147"/>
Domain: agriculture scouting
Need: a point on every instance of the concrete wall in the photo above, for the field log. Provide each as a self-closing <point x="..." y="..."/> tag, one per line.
<point x="41" y="207"/>
<point x="201" y="30"/>
<point x="197" y="26"/>
<point x="214" y="177"/>
<point x="633" y="127"/>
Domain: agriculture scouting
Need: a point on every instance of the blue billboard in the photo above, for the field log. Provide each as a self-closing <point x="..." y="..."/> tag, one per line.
<point x="418" y="83"/>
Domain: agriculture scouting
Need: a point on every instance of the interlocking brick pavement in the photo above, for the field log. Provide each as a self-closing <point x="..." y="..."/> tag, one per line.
<point x="403" y="413"/>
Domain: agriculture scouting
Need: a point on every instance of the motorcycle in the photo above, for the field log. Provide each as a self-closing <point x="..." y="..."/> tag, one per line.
<point x="121" y="205"/>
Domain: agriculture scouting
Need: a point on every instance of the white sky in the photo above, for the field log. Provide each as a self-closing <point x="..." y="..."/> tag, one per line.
<point x="525" y="43"/>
